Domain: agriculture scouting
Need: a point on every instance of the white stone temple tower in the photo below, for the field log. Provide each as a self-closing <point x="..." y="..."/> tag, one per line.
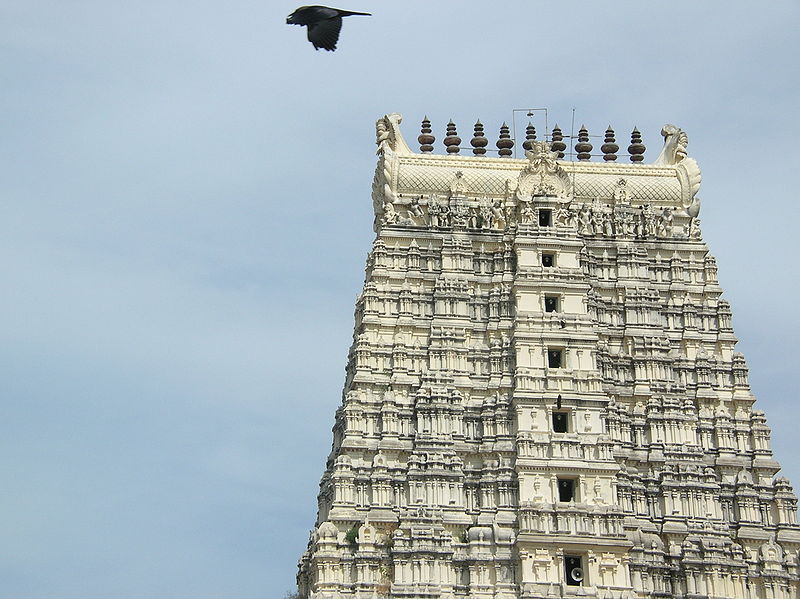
<point x="542" y="396"/>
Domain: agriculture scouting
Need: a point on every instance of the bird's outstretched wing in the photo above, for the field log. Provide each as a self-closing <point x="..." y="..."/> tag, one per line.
<point x="325" y="34"/>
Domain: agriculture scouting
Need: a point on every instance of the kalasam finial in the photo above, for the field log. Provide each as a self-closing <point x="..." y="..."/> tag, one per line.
<point x="479" y="141"/>
<point x="583" y="147"/>
<point x="425" y="138"/>
<point x="530" y="136"/>
<point x="610" y="147"/>
<point x="505" y="143"/>
<point x="636" y="149"/>
<point x="557" y="142"/>
<point x="452" y="141"/>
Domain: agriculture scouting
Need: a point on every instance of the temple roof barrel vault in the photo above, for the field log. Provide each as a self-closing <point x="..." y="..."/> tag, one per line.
<point x="543" y="396"/>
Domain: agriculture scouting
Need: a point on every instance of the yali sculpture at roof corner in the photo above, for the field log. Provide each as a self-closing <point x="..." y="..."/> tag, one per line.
<point x="542" y="396"/>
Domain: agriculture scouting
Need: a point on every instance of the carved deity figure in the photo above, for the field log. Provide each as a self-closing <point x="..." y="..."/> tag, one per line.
<point x="623" y="222"/>
<point x="459" y="185"/>
<point x="498" y="216"/>
<point x="459" y="213"/>
<point x="630" y="224"/>
<point x="564" y="217"/>
<point x="415" y="212"/>
<point x="438" y="212"/>
<point x="585" y="222"/>
<point x="694" y="229"/>
<point x="649" y="221"/>
<point x="486" y="216"/>
<point x="526" y="213"/>
<point x="597" y="222"/>
<point x="504" y="574"/>
<point x="665" y="223"/>
<point x="474" y="217"/>
<point x="537" y="487"/>
<point x="598" y="488"/>
<point x="621" y="192"/>
<point x="608" y="225"/>
<point x="390" y="215"/>
<point x="638" y="225"/>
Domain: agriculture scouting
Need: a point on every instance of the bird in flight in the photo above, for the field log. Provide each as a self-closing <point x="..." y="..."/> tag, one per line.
<point x="324" y="24"/>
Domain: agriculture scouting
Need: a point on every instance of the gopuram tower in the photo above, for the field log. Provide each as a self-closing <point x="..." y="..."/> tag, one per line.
<point x="543" y="397"/>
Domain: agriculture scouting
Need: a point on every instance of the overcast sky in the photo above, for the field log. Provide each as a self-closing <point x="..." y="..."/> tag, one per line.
<point x="185" y="196"/>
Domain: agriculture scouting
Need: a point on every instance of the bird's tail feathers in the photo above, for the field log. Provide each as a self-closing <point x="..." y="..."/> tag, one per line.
<point x="347" y="13"/>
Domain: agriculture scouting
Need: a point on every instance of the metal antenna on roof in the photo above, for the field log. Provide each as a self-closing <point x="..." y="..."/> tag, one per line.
<point x="572" y="136"/>
<point x="571" y="149"/>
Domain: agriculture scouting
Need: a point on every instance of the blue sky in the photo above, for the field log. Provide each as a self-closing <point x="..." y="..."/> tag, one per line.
<point x="185" y="196"/>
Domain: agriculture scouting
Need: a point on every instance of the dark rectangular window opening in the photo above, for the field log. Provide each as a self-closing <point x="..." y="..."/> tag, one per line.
<point x="566" y="490"/>
<point x="573" y="570"/>
<point x="548" y="260"/>
<point x="551" y="303"/>
<point x="554" y="358"/>
<point x="560" y="422"/>
<point x="545" y="217"/>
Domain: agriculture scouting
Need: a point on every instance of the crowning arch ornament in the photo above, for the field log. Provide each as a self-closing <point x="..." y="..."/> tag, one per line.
<point x="543" y="176"/>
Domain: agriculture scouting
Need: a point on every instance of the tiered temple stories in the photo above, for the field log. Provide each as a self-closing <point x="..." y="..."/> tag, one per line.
<point x="542" y="396"/>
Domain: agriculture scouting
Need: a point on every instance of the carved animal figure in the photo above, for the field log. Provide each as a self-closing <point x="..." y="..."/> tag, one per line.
<point x="324" y="24"/>
<point x="675" y="142"/>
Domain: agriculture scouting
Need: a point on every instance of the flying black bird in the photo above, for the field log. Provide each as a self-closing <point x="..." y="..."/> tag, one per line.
<point x="324" y="24"/>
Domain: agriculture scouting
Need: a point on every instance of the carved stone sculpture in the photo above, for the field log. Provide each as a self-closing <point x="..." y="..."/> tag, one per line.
<point x="675" y="142"/>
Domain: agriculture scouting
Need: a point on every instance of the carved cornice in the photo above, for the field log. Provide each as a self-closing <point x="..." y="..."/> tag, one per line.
<point x="672" y="182"/>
